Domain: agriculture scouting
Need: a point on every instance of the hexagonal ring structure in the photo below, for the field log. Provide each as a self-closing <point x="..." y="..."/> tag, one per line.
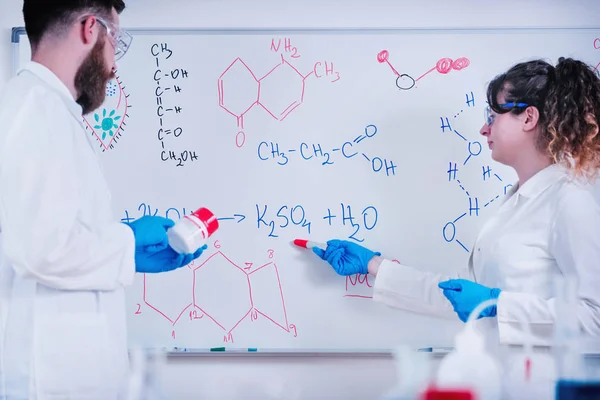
<point x="242" y="89"/>
<point x="281" y="90"/>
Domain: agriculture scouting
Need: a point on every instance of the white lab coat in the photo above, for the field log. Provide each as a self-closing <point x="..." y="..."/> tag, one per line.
<point x="65" y="258"/>
<point x="549" y="226"/>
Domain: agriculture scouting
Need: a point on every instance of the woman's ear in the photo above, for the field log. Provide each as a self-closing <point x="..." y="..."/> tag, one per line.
<point x="531" y="117"/>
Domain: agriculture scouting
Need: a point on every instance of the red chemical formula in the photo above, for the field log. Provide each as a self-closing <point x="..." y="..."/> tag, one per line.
<point x="278" y="92"/>
<point x="218" y="291"/>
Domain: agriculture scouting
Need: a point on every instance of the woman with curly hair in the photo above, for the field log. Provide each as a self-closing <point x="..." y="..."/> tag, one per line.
<point x="543" y="121"/>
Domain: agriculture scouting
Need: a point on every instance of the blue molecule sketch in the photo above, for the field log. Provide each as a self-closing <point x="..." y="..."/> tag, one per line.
<point x="473" y="146"/>
<point x="474" y="149"/>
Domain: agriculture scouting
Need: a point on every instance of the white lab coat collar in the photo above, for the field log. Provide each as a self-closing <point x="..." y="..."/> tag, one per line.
<point x="49" y="77"/>
<point x="541" y="180"/>
<point x="535" y="185"/>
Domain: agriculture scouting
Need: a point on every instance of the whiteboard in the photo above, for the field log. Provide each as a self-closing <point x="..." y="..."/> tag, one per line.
<point x="365" y="135"/>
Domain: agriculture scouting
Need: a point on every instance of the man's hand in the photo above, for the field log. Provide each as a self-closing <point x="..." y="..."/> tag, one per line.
<point x="163" y="260"/>
<point x="150" y="232"/>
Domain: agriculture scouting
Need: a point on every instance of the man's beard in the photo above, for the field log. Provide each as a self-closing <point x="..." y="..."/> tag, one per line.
<point x="91" y="79"/>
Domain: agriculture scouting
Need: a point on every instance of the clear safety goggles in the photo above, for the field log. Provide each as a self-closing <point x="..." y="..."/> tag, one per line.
<point x="490" y="116"/>
<point x="119" y="38"/>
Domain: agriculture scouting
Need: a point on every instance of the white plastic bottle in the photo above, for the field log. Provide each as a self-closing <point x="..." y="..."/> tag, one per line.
<point x="192" y="231"/>
<point x="470" y="367"/>
<point x="413" y="370"/>
<point x="146" y="377"/>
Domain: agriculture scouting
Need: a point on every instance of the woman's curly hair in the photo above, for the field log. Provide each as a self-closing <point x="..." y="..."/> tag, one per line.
<point x="567" y="97"/>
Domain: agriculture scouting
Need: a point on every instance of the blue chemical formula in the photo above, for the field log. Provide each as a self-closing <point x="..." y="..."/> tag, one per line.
<point x="316" y="152"/>
<point x="473" y="205"/>
<point x="272" y="220"/>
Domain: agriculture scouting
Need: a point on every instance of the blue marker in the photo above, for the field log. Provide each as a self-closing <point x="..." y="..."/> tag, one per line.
<point x="216" y="350"/>
<point x="235" y="350"/>
<point x="436" y="349"/>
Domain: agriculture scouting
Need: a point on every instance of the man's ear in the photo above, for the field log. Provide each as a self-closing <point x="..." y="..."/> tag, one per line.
<point x="531" y="117"/>
<point x="88" y="31"/>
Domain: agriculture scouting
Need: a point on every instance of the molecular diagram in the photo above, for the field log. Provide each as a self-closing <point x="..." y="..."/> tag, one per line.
<point x="258" y="290"/>
<point x="449" y="231"/>
<point x="107" y="123"/>
<point x="245" y="90"/>
<point x="286" y="217"/>
<point x="597" y="47"/>
<point x="271" y="151"/>
<point x="170" y="83"/>
<point x="406" y="82"/>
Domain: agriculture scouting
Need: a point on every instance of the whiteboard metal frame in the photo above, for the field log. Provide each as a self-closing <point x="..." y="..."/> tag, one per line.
<point x="18" y="32"/>
<point x="329" y="353"/>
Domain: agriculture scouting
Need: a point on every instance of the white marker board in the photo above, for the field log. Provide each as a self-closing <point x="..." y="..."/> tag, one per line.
<point x="364" y="135"/>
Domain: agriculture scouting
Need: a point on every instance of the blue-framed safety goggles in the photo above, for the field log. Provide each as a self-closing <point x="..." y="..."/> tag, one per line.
<point x="490" y="116"/>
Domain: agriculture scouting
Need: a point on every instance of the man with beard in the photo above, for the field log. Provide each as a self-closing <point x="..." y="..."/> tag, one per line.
<point x="64" y="257"/>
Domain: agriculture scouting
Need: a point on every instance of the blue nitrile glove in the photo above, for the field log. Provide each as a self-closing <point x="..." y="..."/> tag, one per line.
<point x="345" y="257"/>
<point x="465" y="295"/>
<point x="150" y="232"/>
<point x="163" y="260"/>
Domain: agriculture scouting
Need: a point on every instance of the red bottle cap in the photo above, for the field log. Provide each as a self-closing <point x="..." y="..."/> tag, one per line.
<point x="208" y="218"/>
<point x="433" y="393"/>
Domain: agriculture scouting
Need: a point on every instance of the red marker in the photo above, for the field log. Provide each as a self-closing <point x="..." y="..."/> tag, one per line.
<point x="307" y="244"/>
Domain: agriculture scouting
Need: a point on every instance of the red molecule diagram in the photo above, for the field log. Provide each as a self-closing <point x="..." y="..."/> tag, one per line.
<point x="279" y="92"/>
<point x="207" y="295"/>
<point x="443" y="66"/>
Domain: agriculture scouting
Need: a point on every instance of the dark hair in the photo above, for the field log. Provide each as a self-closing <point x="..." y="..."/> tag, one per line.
<point x="55" y="16"/>
<point x="567" y="98"/>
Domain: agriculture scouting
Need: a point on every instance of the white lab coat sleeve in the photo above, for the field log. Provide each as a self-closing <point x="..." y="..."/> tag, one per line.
<point x="40" y="198"/>
<point x="408" y="288"/>
<point x="575" y="244"/>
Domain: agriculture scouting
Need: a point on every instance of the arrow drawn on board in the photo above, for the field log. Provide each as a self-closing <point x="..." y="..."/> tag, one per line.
<point x="240" y="217"/>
